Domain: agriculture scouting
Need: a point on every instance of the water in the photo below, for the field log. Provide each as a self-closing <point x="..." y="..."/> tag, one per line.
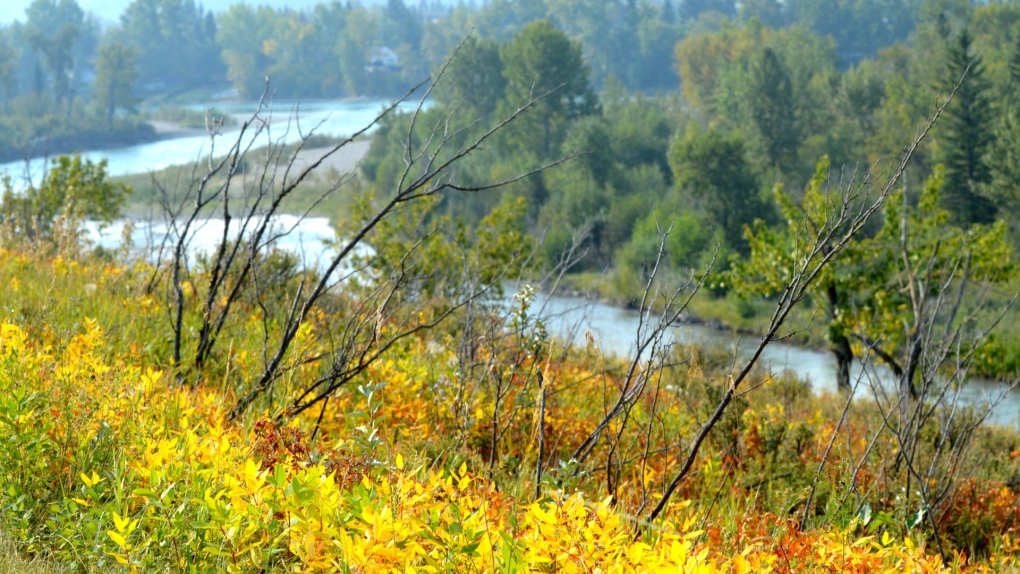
<point x="313" y="240"/>
<point x="613" y="330"/>
<point x="290" y="120"/>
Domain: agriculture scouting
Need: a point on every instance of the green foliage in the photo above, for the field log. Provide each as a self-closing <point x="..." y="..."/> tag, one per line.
<point x="474" y="78"/>
<point x="54" y="30"/>
<point x="542" y="62"/>
<point x="442" y="259"/>
<point x="861" y="290"/>
<point x="175" y="42"/>
<point x="772" y="109"/>
<point x="688" y="242"/>
<point x="115" y="78"/>
<point x="8" y="71"/>
<point x="73" y="189"/>
<point x="712" y="169"/>
<point x="967" y="137"/>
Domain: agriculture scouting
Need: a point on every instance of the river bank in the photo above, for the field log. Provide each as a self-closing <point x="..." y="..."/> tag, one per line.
<point x="83" y="140"/>
<point x="176" y="145"/>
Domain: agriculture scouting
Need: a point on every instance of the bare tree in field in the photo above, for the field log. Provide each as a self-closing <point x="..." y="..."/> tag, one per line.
<point x="248" y="189"/>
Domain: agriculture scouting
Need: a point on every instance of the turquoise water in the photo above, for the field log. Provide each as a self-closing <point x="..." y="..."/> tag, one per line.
<point x="289" y="121"/>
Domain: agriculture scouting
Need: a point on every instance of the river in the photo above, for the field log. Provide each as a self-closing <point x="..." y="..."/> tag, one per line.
<point x="613" y="328"/>
<point x="333" y="118"/>
<point x="568" y="318"/>
<point x="614" y="331"/>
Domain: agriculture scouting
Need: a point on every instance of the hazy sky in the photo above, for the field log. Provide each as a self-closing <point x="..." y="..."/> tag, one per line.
<point x="109" y="10"/>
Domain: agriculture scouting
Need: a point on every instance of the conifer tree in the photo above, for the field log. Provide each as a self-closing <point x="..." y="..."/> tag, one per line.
<point x="772" y="110"/>
<point x="1003" y="157"/>
<point x="966" y="138"/>
<point x="668" y="12"/>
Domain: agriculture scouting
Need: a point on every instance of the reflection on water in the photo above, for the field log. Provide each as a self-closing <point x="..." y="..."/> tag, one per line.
<point x="614" y="331"/>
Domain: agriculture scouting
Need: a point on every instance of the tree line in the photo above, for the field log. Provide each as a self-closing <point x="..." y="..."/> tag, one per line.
<point x="735" y="162"/>
<point x="60" y="61"/>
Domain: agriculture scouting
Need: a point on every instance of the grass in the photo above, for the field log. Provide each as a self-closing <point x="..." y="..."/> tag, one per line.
<point x="12" y="561"/>
<point x="92" y="332"/>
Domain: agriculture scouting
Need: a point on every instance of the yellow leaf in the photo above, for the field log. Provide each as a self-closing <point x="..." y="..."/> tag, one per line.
<point x="120" y="523"/>
<point x="116" y="537"/>
<point x="119" y="558"/>
<point x="400" y="462"/>
<point x="91" y="481"/>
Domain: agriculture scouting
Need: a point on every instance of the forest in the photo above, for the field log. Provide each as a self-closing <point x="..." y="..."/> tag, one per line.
<point x="830" y="175"/>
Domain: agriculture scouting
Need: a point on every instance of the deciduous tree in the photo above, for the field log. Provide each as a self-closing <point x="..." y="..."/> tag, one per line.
<point x="541" y="61"/>
<point x="712" y="168"/>
<point x="474" y="79"/>
<point x="115" y="76"/>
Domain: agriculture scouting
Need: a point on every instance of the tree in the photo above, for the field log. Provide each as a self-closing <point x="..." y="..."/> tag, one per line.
<point x="53" y="29"/>
<point x="175" y="41"/>
<point x="966" y="138"/>
<point x="713" y="169"/>
<point x="242" y="32"/>
<point x="541" y="61"/>
<point x="772" y="13"/>
<point x="702" y="59"/>
<point x="1003" y="157"/>
<point x="864" y="292"/>
<point x="691" y="9"/>
<point x="668" y="12"/>
<point x="8" y="70"/>
<point x="74" y="187"/>
<point x="408" y="27"/>
<point x="773" y="111"/>
<point x="115" y="75"/>
<point x="352" y="49"/>
<point x="474" y="78"/>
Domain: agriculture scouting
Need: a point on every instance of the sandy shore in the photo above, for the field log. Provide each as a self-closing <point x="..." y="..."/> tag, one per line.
<point x="343" y="162"/>
<point x="171" y="130"/>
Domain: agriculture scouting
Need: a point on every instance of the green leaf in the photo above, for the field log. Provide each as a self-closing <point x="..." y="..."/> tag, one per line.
<point x="865" y="514"/>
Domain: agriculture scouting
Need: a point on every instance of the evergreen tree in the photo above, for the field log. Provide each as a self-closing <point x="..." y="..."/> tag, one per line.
<point x="668" y="12"/>
<point x="771" y="104"/>
<point x="966" y="138"/>
<point x="1003" y="157"/>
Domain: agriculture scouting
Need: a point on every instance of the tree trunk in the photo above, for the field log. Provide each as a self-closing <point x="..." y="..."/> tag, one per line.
<point x="840" y="343"/>
<point x="844" y="356"/>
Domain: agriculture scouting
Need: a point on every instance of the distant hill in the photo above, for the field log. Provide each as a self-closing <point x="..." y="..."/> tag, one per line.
<point x="110" y="10"/>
